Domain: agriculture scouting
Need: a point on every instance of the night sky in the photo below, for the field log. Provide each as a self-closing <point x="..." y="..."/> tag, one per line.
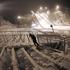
<point x="12" y="8"/>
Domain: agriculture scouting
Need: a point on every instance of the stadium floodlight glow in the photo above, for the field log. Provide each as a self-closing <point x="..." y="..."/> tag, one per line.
<point x="57" y="7"/>
<point x="19" y="17"/>
<point x="48" y="12"/>
<point x="41" y="8"/>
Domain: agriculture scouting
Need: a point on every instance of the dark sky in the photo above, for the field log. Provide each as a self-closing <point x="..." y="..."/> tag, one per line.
<point x="24" y="6"/>
<point x="21" y="7"/>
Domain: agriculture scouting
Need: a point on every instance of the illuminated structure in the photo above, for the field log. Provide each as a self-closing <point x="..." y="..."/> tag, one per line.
<point x="44" y="19"/>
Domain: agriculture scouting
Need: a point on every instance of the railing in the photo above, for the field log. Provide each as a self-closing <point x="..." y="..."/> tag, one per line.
<point x="13" y="38"/>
